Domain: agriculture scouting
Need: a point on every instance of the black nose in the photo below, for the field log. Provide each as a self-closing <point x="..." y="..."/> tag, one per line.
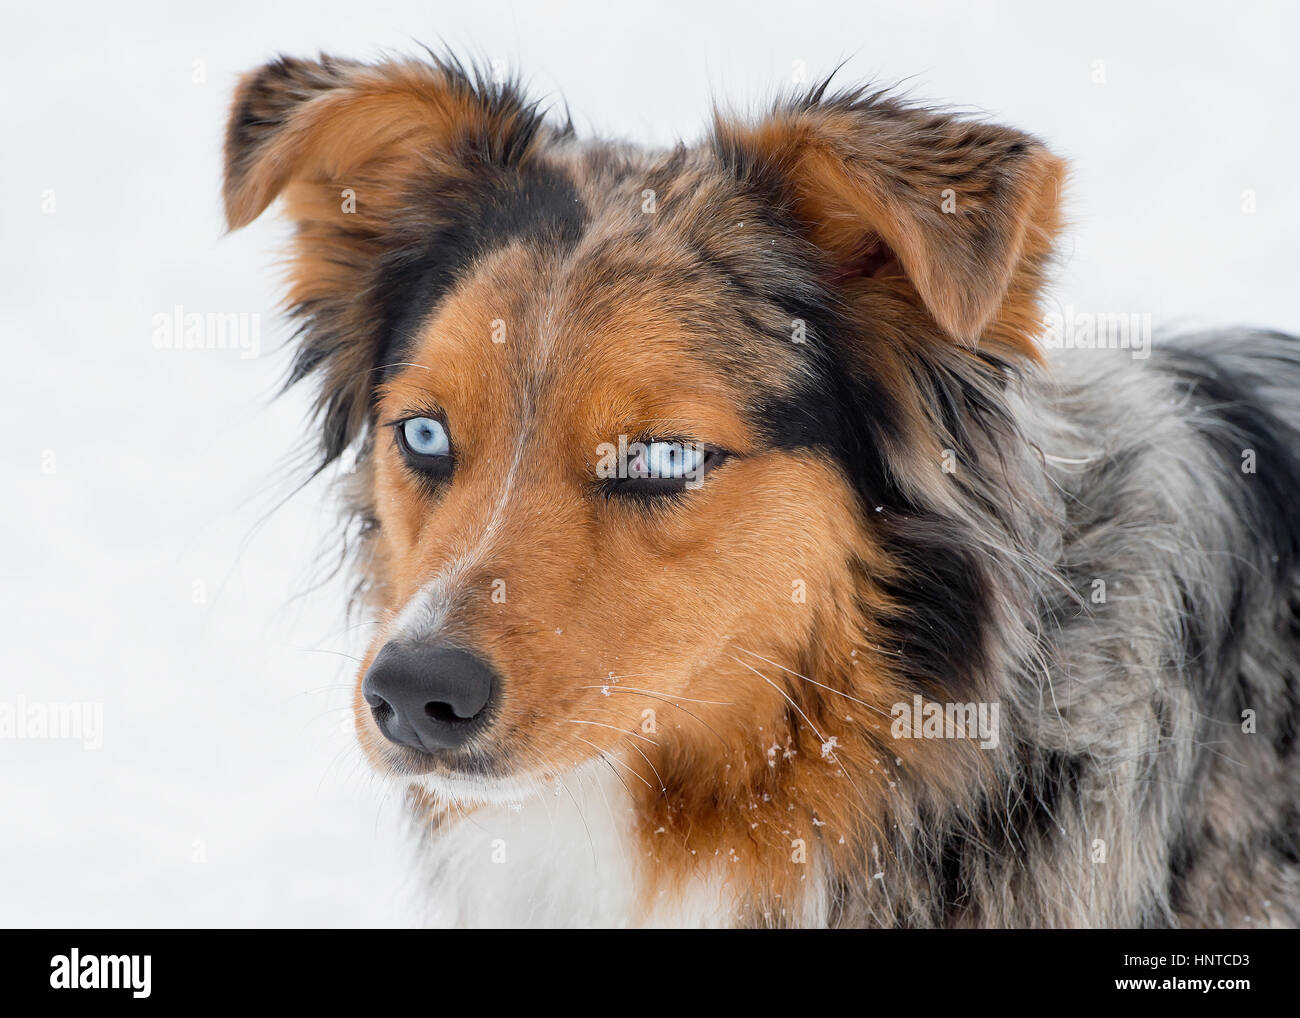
<point x="428" y="698"/>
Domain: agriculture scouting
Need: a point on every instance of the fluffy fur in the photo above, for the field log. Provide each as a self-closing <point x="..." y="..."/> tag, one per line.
<point x="699" y="692"/>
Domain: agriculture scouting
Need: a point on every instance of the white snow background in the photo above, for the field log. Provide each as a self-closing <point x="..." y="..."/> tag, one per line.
<point x="227" y="790"/>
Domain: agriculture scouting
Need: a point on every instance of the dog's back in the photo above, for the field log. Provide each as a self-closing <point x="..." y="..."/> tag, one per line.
<point x="1157" y="784"/>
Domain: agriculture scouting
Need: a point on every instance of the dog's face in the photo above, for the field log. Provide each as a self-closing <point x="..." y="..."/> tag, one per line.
<point x="640" y="433"/>
<point x="614" y="509"/>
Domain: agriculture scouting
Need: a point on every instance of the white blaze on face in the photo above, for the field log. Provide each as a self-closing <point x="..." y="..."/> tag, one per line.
<point x="425" y="615"/>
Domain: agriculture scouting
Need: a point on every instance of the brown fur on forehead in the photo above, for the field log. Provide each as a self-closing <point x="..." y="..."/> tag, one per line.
<point x="630" y="336"/>
<point x="677" y="229"/>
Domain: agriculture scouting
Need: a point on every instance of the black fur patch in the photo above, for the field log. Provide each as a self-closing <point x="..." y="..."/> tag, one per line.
<point x="1284" y="839"/>
<point x="496" y="206"/>
<point x="851" y="417"/>
<point x="1232" y="419"/>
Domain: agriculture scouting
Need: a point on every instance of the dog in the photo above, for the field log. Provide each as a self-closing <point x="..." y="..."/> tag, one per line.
<point x="742" y="549"/>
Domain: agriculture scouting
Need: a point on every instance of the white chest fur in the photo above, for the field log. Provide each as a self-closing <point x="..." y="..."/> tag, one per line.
<point x="563" y="857"/>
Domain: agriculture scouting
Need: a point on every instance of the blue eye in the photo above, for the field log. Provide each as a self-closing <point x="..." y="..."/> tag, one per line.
<point x="424" y="436"/>
<point x="659" y="467"/>
<point x="670" y="460"/>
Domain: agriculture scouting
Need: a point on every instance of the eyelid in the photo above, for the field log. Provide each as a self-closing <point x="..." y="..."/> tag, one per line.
<point x="668" y="440"/>
<point x="411" y="415"/>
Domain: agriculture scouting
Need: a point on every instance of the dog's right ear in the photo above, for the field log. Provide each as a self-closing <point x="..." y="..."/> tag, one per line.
<point x="300" y="125"/>
<point x="372" y="161"/>
<point x="267" y="138"/>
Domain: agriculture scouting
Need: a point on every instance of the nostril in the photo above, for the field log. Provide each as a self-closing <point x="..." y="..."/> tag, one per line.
<point x="445" y="713"/>
<point x="380" y="708"/>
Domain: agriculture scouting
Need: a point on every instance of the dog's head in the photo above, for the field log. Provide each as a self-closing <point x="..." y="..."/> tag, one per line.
<point x="656" y="446"/>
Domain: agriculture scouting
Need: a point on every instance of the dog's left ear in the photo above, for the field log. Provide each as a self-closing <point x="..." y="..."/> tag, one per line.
<point x="966" y="211"/>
